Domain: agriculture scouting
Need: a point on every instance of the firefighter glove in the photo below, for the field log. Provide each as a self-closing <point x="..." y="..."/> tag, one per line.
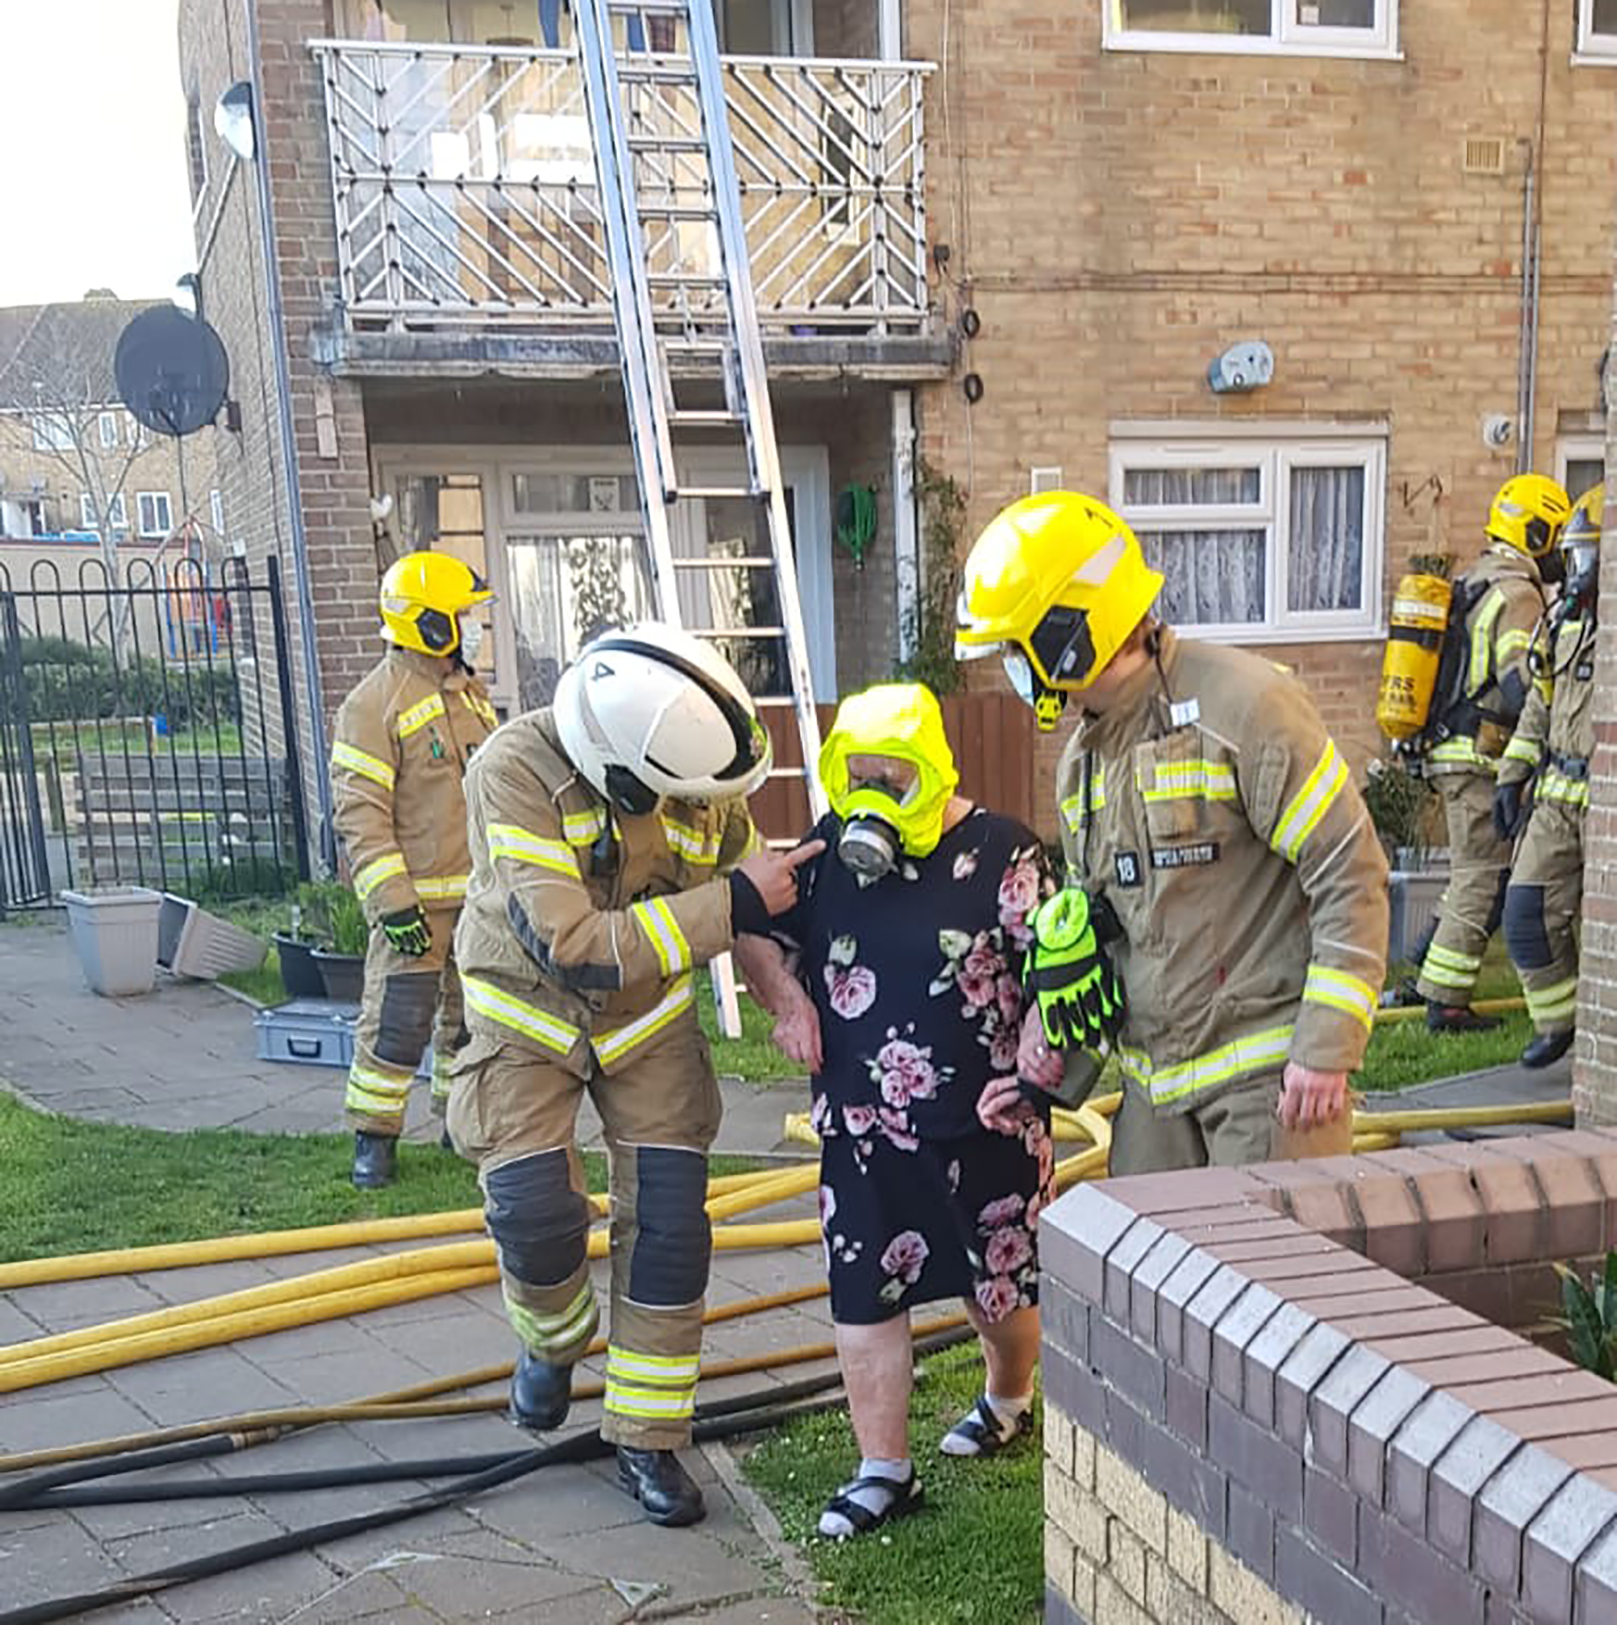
<point x="1509" y="809"/>
<point x="408" y="931"/>
<point x="1067" y="973"/>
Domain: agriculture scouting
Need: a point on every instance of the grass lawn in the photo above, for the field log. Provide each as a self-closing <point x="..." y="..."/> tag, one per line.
<point x="73" y="1187"/>
<point x="975" y="1550"/>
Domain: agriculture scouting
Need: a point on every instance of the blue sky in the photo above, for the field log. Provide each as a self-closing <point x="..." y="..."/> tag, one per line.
<point x="92" y="129"/>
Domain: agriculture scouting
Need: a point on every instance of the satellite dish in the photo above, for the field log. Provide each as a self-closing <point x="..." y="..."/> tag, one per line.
<point x="172" y="371"/>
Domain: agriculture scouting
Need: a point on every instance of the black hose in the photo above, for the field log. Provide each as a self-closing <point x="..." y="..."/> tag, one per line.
<point x="721" y="1419"/>
<point x="580" y="1447"/>
<point x="27" y="1492"/>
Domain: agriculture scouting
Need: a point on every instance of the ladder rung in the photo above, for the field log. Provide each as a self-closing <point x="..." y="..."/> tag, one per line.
<point x="702" y="418"/>
<point x="667" y="143"/>
<point x="677" y="211"/>
<point x="647" y="73"/>
<point x="651" y="8"/>
<point x="716" y="493"/>
<point x="685" y="279"/>
<point x="743" y="561"/>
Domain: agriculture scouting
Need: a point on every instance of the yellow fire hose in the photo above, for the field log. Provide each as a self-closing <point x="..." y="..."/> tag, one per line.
<point x="386" y="1406"/>
<point x="277" y="1243"/>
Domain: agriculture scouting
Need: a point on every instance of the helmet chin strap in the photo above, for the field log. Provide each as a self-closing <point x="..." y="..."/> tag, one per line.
<point x="631" y="796"/>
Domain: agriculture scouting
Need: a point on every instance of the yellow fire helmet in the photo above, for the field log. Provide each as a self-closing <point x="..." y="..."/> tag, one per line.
<point x="1580" y="543"/>
<point x="1055" y="584"/>
<point x="422" y="597"/>
<point x="1528" y="512"/>
<point x="900" y="720"/>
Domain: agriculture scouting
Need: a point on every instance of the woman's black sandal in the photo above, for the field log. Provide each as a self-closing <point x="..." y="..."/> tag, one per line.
<point x="906" y="1497"/>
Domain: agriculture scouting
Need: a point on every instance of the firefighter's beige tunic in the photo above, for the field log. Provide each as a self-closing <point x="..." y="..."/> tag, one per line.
<point x="403" y="738"/>
<point x="1211" y="807"/>
<point x="1554" y="740"/>
<point x="581" y="932"/>
<point x="1498" y="631"/>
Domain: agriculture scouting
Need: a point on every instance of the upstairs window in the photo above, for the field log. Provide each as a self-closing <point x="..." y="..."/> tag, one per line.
<point x="1597" y="28"/>
<point x="1259" y="540"/>
<point x="1292" y="27"/>
<point x="156" y="517"/>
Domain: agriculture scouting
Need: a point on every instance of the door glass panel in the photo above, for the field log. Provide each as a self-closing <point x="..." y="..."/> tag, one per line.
<point x="747" y="27"/>
<point x="600" y="494"/>
<point x="564" y="589"/>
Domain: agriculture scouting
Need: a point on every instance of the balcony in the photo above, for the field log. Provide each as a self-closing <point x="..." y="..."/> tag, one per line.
<point x="467" y="209"/>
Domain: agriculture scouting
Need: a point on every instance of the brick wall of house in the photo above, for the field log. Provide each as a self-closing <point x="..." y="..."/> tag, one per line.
<point x="1118" y="219"/>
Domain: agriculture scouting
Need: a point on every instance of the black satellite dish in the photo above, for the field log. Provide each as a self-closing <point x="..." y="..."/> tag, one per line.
<point x="172" y="370"/>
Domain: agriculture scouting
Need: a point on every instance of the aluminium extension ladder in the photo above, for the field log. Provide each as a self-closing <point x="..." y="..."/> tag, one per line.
<point x="682" y="297"/>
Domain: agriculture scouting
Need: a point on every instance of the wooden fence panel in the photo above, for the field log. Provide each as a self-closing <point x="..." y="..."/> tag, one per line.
<point x="991" y="736"/>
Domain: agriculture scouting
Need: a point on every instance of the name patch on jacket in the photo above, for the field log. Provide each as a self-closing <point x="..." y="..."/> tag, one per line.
<point x="1185" y="857"/>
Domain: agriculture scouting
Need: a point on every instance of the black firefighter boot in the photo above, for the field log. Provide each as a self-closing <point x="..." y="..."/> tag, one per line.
<point x="1546" y="1048"/>
<point x="1457" y="1018"/>
<point x="375" y="1160"/>
<point x="659" y="1482"/>
<point x="540" y="1393"/>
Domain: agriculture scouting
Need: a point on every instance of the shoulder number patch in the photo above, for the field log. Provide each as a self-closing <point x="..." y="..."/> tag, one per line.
<point x="1128" y="868"/>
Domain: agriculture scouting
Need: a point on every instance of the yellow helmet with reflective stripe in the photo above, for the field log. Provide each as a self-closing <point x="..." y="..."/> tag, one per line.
<point x="423" y="595"/>
<point x="1056" y="584"/>
<point x="1580" y="543"/>
<point x="1528" y="512"/>
<point x="903" y="721"/>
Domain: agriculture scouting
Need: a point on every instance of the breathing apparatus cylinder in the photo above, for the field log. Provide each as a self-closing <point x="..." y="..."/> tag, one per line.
<point x="1414" y="653"/>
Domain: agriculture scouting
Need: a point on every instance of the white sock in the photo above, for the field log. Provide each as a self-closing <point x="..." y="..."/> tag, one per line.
<point x="874" y="1498"/>
<point x="962" y="1439"/>
<point x="1010" y="1411"/>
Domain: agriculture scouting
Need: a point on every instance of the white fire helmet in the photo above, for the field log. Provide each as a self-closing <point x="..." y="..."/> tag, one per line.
<point x="653" y="711"/>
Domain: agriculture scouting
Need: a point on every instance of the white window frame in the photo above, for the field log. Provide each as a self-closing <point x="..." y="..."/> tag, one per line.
<point x="1274" y="449"/>
<point x="119" y="513"/>
<point x="154" y="497"/>
<point x="1287" y="37"/>
<point x="1594" y="49"/>
<point x="216" y="510"/>
<point x="1577" y="448"/>
<point x="52" y="431"/>
<point x="106" y="428"/>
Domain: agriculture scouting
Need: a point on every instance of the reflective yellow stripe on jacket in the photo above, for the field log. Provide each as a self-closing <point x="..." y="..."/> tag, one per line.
<point x="1481" y="667"/>
<point x="368" y="767"/>
<point x="523" y="846"/>
<point x="614" y="1045"/>
<point x="1256" y="1052"/>
<point x="520" y="1016"/>
<point x="440" y="888"/>
<point x="691" y="844"/>
<point x="377" y="871"/>
<point x="1523" y="750"/>
<point x="1073" y="809"/>
<point x="585" y="828"/>
<point x="1310" y="804"/>
<point x="1341" y="991"/>
<point x="656" y="919"/>
<point x="419" y="715"/>
<point x="1212" y="781"/>
<point x="1461" y="751"/>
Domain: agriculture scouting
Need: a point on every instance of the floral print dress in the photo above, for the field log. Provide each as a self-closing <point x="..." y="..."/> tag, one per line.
<point x="917" y="981"/>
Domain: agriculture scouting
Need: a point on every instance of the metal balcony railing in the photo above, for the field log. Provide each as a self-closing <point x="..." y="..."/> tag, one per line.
<point x="464" y="189"/>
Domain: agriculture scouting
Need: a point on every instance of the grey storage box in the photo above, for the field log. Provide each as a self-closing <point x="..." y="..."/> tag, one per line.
<point x="114" y="932"/>
<point x="1413" y="897"/>
<point x="307" y="1032"/>
<point x="192" y="942"/>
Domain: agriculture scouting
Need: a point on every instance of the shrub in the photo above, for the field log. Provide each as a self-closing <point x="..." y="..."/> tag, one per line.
<point x="1400" y="805"/>
<point x="1589" y="1317"/>
<point x="72" y="682"/>
<point x="331" y="912"/>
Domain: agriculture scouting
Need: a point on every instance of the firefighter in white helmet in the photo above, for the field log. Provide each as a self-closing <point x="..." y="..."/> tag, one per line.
<point x="612" y="855"/>
<point x="403" y="738"/>
<point x="1225" y="918"/>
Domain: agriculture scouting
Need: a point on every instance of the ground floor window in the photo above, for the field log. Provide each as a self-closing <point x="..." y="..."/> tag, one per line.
<point x="1258" y="538"/>
<point x="1580" y="462"/>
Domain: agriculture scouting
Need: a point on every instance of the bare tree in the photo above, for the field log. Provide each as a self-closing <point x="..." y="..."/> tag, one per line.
<point x="56" y="389"/>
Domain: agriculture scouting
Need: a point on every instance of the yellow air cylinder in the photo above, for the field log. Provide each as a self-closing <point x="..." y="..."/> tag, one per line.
<point x="1420" y="615"/>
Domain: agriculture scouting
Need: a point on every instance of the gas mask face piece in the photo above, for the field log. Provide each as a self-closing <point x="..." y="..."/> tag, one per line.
<point x="889" y="775"/>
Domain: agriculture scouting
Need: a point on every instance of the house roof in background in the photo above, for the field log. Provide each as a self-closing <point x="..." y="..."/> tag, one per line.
<point x="58" y="340"/>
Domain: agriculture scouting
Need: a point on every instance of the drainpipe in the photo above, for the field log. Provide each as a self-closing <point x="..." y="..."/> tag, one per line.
<point x="906" y="552"/>
<point x="302" y="585"/>
<point x="1526" y="358"/>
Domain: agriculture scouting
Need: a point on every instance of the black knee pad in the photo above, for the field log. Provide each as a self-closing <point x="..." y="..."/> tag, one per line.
<point x="673" y="1239"/>
<point x="1525" y="936"/>
<point x="405" y="1023"/>
<point x="538" y="1221"/>
<point x="1497" y="912"/>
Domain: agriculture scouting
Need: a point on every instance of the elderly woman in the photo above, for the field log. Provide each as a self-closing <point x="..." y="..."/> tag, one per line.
<point x="897" y="981"/>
